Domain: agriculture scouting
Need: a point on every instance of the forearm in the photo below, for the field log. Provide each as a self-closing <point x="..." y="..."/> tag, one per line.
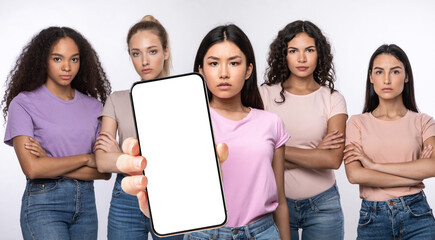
<point x="418" y="169"/>
<point x="87" y="174"/>
<point x="281" y="218"/>
<point x="290" y="165"/>
<point x="314" y="158"/>
<point x="357" y="174"/>
<point x="106" y="161"/>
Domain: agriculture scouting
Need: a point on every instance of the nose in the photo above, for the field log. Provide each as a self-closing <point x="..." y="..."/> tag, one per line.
<point x="387" y="79"/>
<point x="145" y="60"/>
<point x="66" y="66"/>
<point x="302" y="57"/>
<point x="223" y="72"/>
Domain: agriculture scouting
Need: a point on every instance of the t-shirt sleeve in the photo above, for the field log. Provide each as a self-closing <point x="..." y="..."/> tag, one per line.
<point x="338" y="104"/>
<point x="19" y="122"/>
<point x="353" y="131"/>
<point x="427" y="127"/>
<point x="108" y="109"/>
<point x="281" y="133"/>
<point x="264" y="96"/>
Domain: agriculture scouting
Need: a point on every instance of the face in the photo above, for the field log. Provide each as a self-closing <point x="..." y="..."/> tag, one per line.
<point x="225" y="70"/>
<point x="302" y="55"/>
<point x="388" y="76"/>
<point x="147" y="53"/>
<point x="63" y="62"/>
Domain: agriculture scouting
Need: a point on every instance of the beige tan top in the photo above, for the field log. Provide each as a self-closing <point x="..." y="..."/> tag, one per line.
<point x="118" y="107"/>
<point x="384" y="141"/>
<point x="306" y="120"/>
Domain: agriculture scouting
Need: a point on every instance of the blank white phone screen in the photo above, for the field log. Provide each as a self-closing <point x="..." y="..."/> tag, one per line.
<point x="174" y="130"/>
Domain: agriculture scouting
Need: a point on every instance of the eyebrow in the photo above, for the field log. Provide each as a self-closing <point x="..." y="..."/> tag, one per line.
<point x="230" y="58"/>
<point x="60" y="55"/>
<point x="297" y="48"/>
<point x="396" y="67"/>
<point x="137" y="49"/>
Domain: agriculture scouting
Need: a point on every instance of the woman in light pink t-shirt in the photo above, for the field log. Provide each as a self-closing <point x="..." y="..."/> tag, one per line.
<point x="389" y="152"/>
<point x="300" y="89"/>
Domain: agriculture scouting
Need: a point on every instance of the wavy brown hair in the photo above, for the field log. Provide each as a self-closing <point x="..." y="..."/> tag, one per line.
<point x="278" y="71"/>
<point x="30" y="71"/>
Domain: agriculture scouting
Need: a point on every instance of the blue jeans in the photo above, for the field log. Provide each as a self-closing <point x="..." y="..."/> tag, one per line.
<point x="126" y="221"/>
<point x="319" y="217"/>
<point x="262" y="229"/>
<point x="408" y="217"/>
<point x="59" y="209"/>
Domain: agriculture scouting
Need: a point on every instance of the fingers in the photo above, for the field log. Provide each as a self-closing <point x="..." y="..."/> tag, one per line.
<point x="133" y="165"/>
<point x="143" y="203"/>
<point x="108" y="135"/>
<point x="333" y="135"/>
<point x="131" y="146"/>
<point x="222" y="151"/>
<point x="427" y="152"/>
<point x="134" y="184"/>
<point x="351" y="159"/>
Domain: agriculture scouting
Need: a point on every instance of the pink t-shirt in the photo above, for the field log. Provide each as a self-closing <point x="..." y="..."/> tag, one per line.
<point x="249" y="182"/>
<point x="306" y="120"/>
<point x="383" y="141"/>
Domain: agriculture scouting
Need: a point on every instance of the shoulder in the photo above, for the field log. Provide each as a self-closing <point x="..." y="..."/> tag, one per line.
<point x="270" y="89"/>
<point x="359" y="118"/>
<point x="122" y="96"/>
<point x="421" y="118"/>
<point x="26" y="98"/>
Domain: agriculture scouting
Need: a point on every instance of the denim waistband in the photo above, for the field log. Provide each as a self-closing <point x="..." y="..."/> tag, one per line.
<point x="45" y="180"/>
<point x="331" y="192"/>
<point x="250" y="230"/>
<point x="398" y="203"/>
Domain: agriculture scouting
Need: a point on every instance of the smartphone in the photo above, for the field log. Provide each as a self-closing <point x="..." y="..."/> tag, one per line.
<point x="174" y="130"/>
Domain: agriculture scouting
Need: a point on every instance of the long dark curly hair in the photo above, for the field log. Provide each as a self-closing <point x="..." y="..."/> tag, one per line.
<point x="30" y="70"/>
<point x="250" y="94"/>
<point x="278" y="71"/>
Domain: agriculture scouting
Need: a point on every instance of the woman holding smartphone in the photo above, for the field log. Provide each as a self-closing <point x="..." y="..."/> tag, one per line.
<point x="389" y="152"/>
<point x="253" y="171"/>
<point x="148" y="47"/>
<point x="52" y="107"/>
<point x="300" y="89"/>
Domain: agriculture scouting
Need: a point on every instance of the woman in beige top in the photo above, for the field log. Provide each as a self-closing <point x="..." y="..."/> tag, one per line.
<point x="149" y="51"/>
<point x="389" y="152"/>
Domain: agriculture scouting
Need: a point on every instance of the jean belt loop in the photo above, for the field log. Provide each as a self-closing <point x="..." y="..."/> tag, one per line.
<point x="248" y="233"/>
<point x="422" y="193"/>
<point x="215" y="233"/>
<point x="312" y="204"/>
<point x="405" y="206"/>
<point x="374" y="207"/>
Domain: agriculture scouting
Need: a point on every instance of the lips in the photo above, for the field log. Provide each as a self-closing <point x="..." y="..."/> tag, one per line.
<point x="302" y="68"/>
<point x="65" y="77"/>
<point x="224" y="86"/>
<point x="387" y="89"/>
<point x="146" y="70"/>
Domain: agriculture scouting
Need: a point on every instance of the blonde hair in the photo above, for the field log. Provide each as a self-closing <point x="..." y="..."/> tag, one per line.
<point x="150" y="23"/>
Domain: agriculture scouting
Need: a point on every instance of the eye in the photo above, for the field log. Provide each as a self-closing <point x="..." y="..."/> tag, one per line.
<point x="75" y="60"/>
<point x="153" y="52"/>
<point x="135" y="54"/>
<point x="234" y="63"/>
<point x="57" y="59"/>
<point x="396" y="72"/>
<point x="292" y="51"/>
<point x="310" y="50"/>
<point x="378" y="72"/>
<point x="213" y="64"/>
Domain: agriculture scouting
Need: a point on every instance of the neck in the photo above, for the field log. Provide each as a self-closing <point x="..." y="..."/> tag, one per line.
<point x="62" y="92"/>
<point x="298" y="85"/>
<point x="230" y="108"/>
<point x="390" y="109"/>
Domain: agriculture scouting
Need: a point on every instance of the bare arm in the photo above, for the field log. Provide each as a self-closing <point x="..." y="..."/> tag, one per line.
<point x="47" y="167"/>
<point x="281" y="214"/>
<point x="321" y="158"/>
<point x="106" y="159"/>
<point x="419" y="169"/>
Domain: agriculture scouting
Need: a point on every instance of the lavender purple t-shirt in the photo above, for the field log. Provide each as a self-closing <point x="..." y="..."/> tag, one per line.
<point x="249" y="181"/>
<point x="63" y="128"/>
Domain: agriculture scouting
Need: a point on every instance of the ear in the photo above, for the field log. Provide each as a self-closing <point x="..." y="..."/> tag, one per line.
<point x="249" y="71"/>
<point x="166" y="53"/>
<point x="406" y="79"/>
<point x="200" y="70"/>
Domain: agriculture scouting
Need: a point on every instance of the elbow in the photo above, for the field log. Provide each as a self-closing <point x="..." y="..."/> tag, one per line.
<point x="107" y="176"/>
<point x="99" y="160"/>
<point x="336" y="165"/>
<point x="352" y="178"/>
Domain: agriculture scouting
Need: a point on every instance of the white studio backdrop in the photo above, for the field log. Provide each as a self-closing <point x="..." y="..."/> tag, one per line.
<point x="354" y="28"/>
